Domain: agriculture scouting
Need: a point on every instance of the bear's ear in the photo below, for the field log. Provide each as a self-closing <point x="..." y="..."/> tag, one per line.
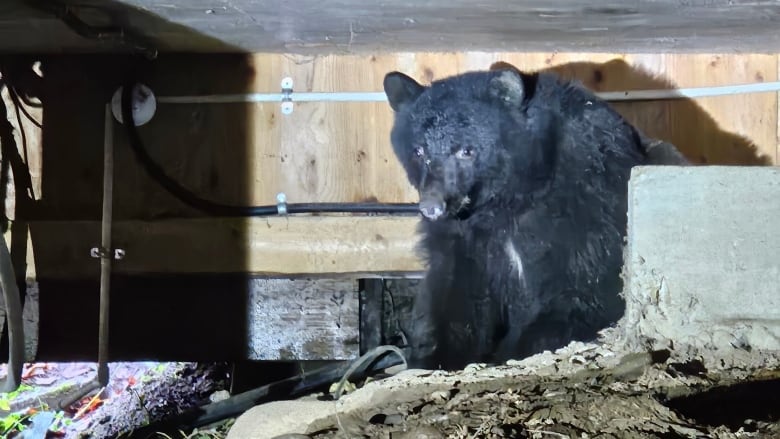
<point x="507" y="86"/>
<point x="401" y="90"/>
<point x="502" y="65"/>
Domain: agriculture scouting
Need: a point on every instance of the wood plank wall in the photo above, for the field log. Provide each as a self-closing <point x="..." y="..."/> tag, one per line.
<point x="247" y="153"/>
<point x="244" y="154"/>
<point x="340" y="151"/>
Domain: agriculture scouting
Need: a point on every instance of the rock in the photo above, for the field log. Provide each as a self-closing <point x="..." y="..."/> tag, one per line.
<point x="280" y="418"/>
<point x="419" y="433"/>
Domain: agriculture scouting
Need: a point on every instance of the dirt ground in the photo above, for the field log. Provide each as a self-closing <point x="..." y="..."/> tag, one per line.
<point x="593" y="390"/>
<point x="581" y="391"/>
<point x="574" y="408"/>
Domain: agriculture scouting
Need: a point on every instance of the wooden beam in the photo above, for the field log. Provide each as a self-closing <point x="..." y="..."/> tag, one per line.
<point x="374" y="27"/>
<point x="258" y="319"/>
<point x="358" y="246"/>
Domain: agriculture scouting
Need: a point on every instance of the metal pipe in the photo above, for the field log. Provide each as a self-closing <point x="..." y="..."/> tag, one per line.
<point x="105" y="252"/>
<point x="628" y="95"/>
<point x="693" y="92"/>
<point x="13" y="319"/>
<point x="276" y="97"/>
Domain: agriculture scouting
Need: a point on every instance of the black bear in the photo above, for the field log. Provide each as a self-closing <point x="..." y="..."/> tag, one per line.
<point x="523" y="183"/>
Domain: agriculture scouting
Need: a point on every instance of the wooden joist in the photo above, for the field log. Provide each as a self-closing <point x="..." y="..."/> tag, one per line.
<point x="359" y="246"/>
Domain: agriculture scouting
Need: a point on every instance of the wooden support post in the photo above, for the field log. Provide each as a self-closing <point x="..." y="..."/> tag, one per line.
<point x="371" y="334"/>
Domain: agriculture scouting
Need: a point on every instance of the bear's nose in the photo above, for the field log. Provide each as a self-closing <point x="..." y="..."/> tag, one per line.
<point x="431" y="209"/>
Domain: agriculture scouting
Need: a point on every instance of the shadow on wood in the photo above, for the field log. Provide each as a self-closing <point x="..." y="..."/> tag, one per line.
<point x="189" y="317"/>
<point x="681" y="122"/>
<point x="107" y="26"/>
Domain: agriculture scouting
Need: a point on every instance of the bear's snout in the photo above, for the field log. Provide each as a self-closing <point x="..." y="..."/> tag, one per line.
<point x="432" y="209"/>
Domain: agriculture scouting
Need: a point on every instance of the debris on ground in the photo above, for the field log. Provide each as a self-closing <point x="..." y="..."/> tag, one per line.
<point x="584" y="390"/>
<point x="137" y="393"/>
<point x="581" y="391"/>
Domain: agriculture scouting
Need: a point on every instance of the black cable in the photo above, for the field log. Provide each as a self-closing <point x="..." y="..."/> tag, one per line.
<point x="15" y="97"/>
<point x="191" y="199"/>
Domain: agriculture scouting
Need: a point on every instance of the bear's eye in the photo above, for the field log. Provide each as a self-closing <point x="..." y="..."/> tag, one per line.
<point x="466" y="152"/>
<point x="419" y="151"/>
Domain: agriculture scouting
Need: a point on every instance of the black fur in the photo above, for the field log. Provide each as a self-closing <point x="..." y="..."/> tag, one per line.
<point x="509" y="163"/>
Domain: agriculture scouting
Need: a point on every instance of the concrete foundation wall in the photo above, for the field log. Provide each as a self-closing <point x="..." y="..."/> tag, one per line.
<point x="703" y="258"/>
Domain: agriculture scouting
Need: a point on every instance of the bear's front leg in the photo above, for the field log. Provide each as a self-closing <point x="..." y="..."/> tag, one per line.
<point x="454" y="323"/>
<point x="423" y="334"/>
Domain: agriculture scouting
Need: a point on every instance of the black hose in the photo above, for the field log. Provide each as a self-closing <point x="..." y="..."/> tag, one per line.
<point x="218" y="209"/>
<point x="8" y="280"/>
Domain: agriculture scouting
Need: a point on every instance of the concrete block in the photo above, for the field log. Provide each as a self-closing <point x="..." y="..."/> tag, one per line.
<point x="702" y="265"/>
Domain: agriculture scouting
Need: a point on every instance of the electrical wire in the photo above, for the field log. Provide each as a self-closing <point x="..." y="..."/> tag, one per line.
<point x="19" y="107"/>
<point x="214" y="208"/>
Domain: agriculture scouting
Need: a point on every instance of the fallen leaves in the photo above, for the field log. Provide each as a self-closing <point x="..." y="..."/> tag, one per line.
<point x="90" y="405"/>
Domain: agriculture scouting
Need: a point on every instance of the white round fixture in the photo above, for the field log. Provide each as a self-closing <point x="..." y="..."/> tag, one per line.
<point x="144" y="104"/>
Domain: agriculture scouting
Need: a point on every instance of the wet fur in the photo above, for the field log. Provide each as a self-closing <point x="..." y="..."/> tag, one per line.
<point x="532" y="259"/>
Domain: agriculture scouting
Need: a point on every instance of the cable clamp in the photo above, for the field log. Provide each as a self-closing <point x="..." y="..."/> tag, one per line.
<point x="287" y="91"/>
<point x="281" y="203"/>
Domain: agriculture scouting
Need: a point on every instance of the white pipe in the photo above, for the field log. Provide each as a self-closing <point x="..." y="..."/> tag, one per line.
<point x="629" y="95"/>
<point x="694" y="92"/>
<point x="276" y="97"/>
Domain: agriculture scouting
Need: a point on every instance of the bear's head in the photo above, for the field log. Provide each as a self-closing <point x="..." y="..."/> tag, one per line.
<point x="471" y="140"/>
